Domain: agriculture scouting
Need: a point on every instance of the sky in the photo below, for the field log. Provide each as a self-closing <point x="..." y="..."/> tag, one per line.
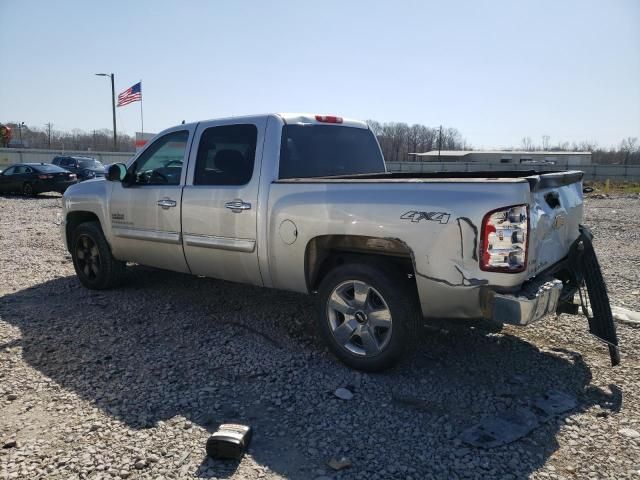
<point x="495" y="70"/>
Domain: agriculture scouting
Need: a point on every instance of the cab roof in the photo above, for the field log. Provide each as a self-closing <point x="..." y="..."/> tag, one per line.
<point x="316" y="118"/>
<point x="292" y="118"/>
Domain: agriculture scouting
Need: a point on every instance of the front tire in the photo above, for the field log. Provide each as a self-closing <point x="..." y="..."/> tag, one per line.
<point x="368" y="315"/>
<point x="95" y="266"/>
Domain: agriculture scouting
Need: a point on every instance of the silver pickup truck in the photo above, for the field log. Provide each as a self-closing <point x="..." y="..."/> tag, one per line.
<point x="304" y="203"/>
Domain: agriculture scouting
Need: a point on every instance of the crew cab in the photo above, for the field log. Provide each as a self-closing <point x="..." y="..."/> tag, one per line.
<point x="304" y="203"/>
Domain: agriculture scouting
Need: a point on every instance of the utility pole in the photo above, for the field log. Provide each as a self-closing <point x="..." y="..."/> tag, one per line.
<point x="113" y="106"/>
<point x="439" y="142"/>
<point x="20" y="125"/>
<point x="49" y="125"/>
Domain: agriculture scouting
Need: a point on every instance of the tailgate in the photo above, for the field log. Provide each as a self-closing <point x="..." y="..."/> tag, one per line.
<point x="554" y="219"/>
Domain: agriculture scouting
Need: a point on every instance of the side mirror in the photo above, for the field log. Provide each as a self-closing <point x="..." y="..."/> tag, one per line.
<point x="116" y="172"/>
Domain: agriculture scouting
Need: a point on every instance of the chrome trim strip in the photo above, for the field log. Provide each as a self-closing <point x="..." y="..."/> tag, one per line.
<point x="221" y="243"/>
<point x="150" y="235"/>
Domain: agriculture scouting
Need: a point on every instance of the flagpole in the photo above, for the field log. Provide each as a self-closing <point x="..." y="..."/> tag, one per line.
<point x="141" y="117"/>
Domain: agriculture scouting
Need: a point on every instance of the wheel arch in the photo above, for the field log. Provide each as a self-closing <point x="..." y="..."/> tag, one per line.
<point x="325" y="252"/>
<point x="76" y="218"/>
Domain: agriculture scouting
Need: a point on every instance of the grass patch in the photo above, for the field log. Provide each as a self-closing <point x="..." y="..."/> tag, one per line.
<point x="614" y="187"/>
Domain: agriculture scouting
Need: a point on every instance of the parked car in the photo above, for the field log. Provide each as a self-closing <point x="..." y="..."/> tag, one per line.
<point x="85" y="168"/>
<point x="34" y="178"/>
<point x="304" y="203"/>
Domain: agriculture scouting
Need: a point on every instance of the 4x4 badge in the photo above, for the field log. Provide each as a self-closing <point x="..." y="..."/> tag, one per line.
<point x="416" y="216"/>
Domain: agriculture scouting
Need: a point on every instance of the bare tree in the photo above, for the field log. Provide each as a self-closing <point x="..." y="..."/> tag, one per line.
<point x="527" y="144"/>
<point x="629" y="146"/>
<point x="427" y="140"/>
<point x="413" y="138"/>
<point x="545" y="142"/>
<point x="398" y="139"/>
<point x="76" y="139"/>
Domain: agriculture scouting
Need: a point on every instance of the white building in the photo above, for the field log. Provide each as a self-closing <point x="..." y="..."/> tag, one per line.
<point x="504" y="156"/>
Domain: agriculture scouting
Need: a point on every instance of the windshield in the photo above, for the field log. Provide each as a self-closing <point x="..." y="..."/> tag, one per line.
<point x="328" y="150"/>
<point x="90" y="163"/>
<point x="49" y="168"/>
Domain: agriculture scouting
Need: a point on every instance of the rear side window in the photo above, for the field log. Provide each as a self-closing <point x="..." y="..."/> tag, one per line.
<point x="90" y="163"/>
<point x="327" y="150"/>
<point x="50" y="169"/>
<point x="226" y="155"/>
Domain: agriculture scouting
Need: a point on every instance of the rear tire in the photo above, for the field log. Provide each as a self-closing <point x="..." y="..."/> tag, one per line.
<point x="368" y="315"/>
<point x="95" y="266"/>
<point x="27" y="189"/>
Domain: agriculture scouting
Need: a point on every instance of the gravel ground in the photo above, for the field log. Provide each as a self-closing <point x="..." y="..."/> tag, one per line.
<point x="129" y="383"/>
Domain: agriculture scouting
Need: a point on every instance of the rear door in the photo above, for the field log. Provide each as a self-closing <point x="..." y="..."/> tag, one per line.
<point x="219" y="210"/>
<point x="19" y="178"/>
<point x="145" y="209"/>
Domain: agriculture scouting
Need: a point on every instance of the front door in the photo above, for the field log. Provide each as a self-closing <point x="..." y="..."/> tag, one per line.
<point x="8" y="179"/>
<point x="219" y="200"/>
<point x="145" y="209"/>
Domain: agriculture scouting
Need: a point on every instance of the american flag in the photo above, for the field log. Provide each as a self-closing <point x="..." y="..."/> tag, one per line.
<point x="130" y="95"/>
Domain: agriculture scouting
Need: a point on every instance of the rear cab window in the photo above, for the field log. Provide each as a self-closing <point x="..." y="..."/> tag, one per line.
<point x="312" y="150"/>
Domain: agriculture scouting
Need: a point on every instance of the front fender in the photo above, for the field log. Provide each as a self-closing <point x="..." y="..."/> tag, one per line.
<point x="91" y="197"/>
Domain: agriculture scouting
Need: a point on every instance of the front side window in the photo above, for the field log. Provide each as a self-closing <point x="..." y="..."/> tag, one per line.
<point x="161" y="163"/>
<point x="66" y="162"/>
<point x="226" y="155"/>
<point x="10" y="171"/>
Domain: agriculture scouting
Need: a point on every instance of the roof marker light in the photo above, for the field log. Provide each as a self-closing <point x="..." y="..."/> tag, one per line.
<point x="328" y="119"/>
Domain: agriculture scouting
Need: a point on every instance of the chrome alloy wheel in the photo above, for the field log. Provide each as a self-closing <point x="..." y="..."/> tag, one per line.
<point x="359" y="318"/>
<point x="88" y="257"/>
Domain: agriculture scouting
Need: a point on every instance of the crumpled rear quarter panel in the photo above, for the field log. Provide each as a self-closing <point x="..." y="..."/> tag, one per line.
<point x="445" y="255"/>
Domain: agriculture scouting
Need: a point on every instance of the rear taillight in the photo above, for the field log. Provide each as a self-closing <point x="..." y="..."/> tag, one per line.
<point x="72" y="176"/>
<point x="328" y="119"/>
<point x="45" y="177"/>
<point x="505" y="234"/>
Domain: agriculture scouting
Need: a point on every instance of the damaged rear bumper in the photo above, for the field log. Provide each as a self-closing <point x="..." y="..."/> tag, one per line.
<point x="554" y="291"/>
<point x="526" y="306"/>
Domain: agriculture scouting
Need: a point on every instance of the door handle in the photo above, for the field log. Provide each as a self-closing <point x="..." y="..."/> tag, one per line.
<point x="165" y="203"/>
<point x="237" y="206"/>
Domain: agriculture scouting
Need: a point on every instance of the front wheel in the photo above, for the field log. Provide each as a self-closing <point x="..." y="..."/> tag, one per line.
<point x="368" y="315"/>
<point x="96" y="268"/>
